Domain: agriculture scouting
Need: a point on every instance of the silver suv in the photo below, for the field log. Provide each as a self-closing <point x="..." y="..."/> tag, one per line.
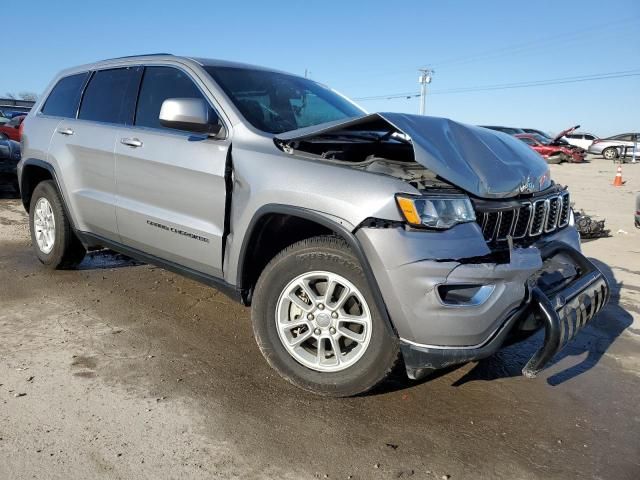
<point x="361" y="241"/>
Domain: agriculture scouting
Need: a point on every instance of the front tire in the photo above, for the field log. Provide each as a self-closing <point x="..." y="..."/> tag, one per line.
<point x="316" y="322"/>
<point x="52" y="237"/>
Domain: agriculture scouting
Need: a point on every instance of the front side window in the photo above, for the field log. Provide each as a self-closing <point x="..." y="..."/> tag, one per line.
<point x="528" y="141"/>
<point x="63" y="99"/>
<point x="104" y="97"/>
<point x="159" y="84"/>
<point x="276" y="102"/>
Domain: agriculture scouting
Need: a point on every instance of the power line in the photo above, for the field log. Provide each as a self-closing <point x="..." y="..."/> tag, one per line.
<point x="536" y="44"/>
<point x="506" y="86"/>
<point x="594" y="31"/>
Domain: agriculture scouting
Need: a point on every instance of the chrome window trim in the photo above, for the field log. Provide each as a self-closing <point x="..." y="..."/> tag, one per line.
<point x="206" y="96"/>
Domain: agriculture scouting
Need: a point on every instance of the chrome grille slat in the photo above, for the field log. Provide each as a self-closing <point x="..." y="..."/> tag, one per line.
<point x="565" y="208"/>
<point x="539" y="213"/>
<point x="552" y="214"/>
<point x="529" y="219"/>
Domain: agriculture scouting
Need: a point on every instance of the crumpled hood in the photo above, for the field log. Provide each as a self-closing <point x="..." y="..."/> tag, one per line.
<point x="483" y="162"/>
<point x="565" y="132"/>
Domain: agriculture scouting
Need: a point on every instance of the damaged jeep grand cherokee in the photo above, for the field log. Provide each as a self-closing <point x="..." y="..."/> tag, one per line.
<point x="359" y="240"/>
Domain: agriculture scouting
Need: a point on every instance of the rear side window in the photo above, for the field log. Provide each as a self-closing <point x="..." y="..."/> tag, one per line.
<point x="63" y="99"/>
<point x="158" y="84"/>
<point x="624" y="137"/>
<point x="105" y="97"/>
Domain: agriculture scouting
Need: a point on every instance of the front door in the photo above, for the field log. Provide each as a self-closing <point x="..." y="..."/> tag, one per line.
<point x="170" y="183"/>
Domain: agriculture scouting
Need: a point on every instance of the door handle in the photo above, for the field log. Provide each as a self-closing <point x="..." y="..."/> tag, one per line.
<point x="131" y="142"/>
<point x="65" y="131"/>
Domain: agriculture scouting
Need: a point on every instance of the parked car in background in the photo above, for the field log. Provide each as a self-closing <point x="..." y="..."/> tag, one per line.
<point x="551" y="152"/>
<point x="509" y="130"/>
<point x="14" y="114"/>
<point x="536" y="131"/>
<point x="609" y="147"/>
<point x="9" y="158"/>
<point x="580" y="139"/>
<point x="12" y="128"/>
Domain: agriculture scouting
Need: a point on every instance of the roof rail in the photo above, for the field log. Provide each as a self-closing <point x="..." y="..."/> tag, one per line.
<point x="140" y="55"/>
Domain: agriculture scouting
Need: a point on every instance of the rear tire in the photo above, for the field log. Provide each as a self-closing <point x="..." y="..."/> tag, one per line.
<point x="52" y="237"/>
<point x="316" y="356"/>
<point x="610" y="153"/>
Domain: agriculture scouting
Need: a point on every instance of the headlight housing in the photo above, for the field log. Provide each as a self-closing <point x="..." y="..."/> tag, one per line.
<point x="436" y="211"/>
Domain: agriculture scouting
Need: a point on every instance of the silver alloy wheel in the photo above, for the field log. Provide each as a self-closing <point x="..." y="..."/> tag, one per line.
<point x="323" y="321"/>
<point x="610" y="153"/>
<point x="44" y="225"/>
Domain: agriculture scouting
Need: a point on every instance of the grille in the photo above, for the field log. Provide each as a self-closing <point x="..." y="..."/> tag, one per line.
<point x="526" y="220"/>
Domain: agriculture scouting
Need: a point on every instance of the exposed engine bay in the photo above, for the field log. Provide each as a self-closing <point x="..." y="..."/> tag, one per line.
<point x="383" y="152"/>
<point x="428" y="151"/>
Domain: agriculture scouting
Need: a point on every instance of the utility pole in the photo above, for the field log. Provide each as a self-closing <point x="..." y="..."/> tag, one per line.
<point x="426" y="74"/>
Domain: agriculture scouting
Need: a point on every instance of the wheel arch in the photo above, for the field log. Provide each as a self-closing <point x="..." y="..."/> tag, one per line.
<point x="267" y="225"/>
<point x="32" y="172"/>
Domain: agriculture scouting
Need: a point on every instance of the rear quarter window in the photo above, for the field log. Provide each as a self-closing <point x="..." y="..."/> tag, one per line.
<point x="65" y="96"/>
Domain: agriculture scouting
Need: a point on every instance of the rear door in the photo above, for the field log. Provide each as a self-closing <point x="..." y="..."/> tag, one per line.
<point x="171" y="183"/>
<point x="84" y="149"/>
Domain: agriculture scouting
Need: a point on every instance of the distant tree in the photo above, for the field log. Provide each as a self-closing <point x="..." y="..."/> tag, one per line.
<point x="29" y="96"/>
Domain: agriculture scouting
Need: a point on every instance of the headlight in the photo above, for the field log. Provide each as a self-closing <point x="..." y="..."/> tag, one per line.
<point x="436" y="211"/>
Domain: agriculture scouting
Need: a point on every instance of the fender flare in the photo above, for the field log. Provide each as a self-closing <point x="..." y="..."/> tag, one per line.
<point x="36" y="162"/>
<point x="325" y="221"/>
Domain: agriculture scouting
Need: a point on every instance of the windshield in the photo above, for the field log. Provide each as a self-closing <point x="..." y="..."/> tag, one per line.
<point x="276" y="102"/>
<point x="541" y="139"/>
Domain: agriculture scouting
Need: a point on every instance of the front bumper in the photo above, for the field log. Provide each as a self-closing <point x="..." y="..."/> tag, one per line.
<point x="563" y="312"/>
<point x="411" y="269"/>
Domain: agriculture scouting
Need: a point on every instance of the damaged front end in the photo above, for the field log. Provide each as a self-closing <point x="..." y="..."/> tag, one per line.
<point x="505" y="264"/>
<point x="561" y="308"/>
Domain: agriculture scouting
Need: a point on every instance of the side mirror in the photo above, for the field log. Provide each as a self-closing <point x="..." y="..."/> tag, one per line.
<point x="190" y="114"/>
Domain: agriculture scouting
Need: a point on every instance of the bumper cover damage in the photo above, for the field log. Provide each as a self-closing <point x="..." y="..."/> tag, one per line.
<point x="563" y="312"/>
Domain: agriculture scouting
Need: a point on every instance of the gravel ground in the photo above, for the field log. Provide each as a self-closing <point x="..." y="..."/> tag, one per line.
<point x="124" y="371"/>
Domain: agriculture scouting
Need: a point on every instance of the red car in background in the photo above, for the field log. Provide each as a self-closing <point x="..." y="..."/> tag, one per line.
<point x="12" y="129"/>
<point x="551" y="151"/>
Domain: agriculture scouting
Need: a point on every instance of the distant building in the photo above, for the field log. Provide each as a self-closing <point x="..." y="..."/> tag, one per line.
<point x="16" y="105"/>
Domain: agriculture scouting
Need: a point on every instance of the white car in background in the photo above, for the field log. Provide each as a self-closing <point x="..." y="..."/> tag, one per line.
<point x="583" y="140"/>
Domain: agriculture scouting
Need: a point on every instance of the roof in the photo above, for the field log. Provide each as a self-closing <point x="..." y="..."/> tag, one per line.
<point x="205" y="62"/>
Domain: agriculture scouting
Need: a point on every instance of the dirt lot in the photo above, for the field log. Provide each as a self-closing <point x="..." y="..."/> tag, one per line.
<point x="119" y="370"/>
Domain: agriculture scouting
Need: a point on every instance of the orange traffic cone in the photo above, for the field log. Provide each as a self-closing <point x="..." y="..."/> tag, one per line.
<point x="617" y="181"/>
